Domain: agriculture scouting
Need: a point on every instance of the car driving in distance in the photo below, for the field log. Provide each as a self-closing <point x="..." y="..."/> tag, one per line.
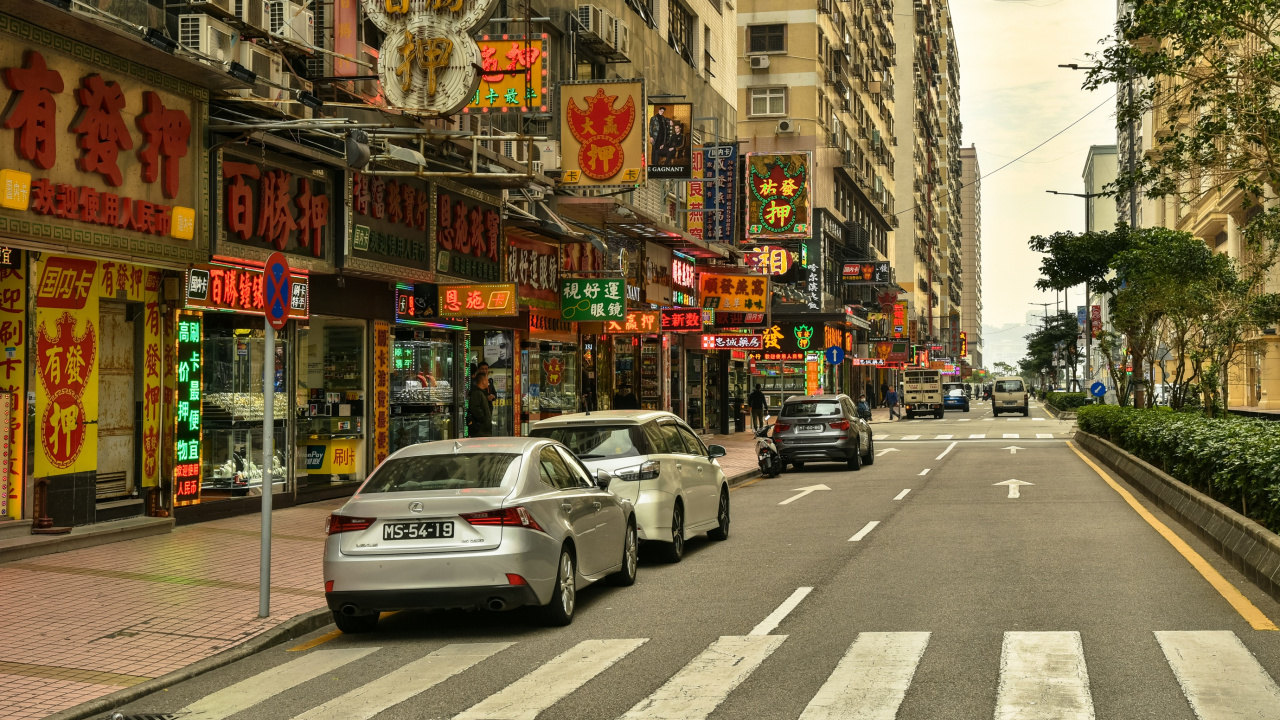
<point x="823" y="428"/>
<point x="955" y="396"/>
<point x="922" y="393"/>
<point x="662" y="467"/>
<point x="1009" y="394"/>
<point x="486" y="523"/>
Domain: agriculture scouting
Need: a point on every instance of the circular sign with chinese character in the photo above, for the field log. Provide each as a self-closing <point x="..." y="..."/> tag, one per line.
<point x="769" y="260"/>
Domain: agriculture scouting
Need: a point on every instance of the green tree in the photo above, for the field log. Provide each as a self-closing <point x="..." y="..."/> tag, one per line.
<point x="1005" y="368"/>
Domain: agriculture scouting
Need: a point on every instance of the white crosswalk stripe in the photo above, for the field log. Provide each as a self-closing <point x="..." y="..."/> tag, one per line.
<point x="1037" y="418"/>
<point x="979" y="436"/>
<point x="404" y="682"/>
<point x="871" y="679"/>
<point x="699" y="687"/>
<point x="265" y="685"/>
<point x="544" y="687"/>
<point x="910" y="437"/>
<point x="1044" y="435"/>
<point x="1219" y="676"/>
<point x="945" y="437"/>
<point x="1043" y="677"/>
<point x="1011" y="435"/>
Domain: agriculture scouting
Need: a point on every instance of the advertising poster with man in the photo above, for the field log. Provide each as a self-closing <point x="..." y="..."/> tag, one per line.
<point x="670" y="142"/>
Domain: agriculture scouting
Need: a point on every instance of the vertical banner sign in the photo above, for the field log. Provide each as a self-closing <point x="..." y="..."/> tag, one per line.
<point x="778" y="196"/>
<point x="1082" y="319"/>
<point x="381" y="390"/>
<point x="603" y="143"/>
<point x="592" y="299"/>
<point x="148" y="293"/>
<point x="669" y="141"/>
<point x="811" y="382"/>
<point x="719" y="192"/>
<point x="1095" y="319"/>
<point x="66" y="355"/>
<point x="13" y="340"/>
<point x="695" y="222"/>
<point x="188" y="406"/>
<point x="344" y="38"/>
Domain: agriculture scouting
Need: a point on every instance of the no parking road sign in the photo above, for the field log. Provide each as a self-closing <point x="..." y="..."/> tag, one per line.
<point x="276" y="288"/>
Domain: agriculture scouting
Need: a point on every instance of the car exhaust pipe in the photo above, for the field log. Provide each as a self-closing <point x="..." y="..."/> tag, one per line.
<point x="350" y="610"/>
<point x="497" y="603"/>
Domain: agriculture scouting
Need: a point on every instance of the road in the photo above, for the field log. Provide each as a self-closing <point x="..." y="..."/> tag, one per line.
<point x="895" y="593"/>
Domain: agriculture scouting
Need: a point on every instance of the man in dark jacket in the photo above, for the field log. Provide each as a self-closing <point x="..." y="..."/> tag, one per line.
<point x="479" y="406"/>
<point x="757" y="402"/>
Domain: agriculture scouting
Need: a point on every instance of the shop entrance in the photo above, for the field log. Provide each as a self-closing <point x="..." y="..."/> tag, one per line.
<point x="119" y="413"/>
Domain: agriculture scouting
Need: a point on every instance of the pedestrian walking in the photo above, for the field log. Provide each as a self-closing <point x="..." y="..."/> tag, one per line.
<point x="757" y="402"/>
<point x="891" y="399"/>
<point x="884" y="394"/>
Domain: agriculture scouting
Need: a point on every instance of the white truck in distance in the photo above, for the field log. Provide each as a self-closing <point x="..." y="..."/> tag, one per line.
<point x="922" y="393"/>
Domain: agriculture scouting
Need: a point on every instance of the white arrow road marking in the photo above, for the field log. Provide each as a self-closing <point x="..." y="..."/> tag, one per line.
<point x="886" y="450"/>
<point x="1013" y="486"/>
<point x="1044" y="435"/>
<point x="978" y="436"/>
<point x="865" y="529"/>
<point x="1013" y="449"/>
<point x="902" y="494"/>
<point x="699" y="688"/>
<point x="871" y="679"/>
<point x="1043" y="677"/>
<point x="924" y="472"/>
<point x="266" y="685"/>
<point x="1219" y="676"/>
<point x="803" y="491"/>
<point x="771" y="623"/>
<point x="944" y="452"/>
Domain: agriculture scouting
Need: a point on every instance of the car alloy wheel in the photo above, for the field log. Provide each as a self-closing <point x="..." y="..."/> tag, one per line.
<point x="560" y="610"/>
<point x="722" y="515"/>
<point x="630" y="559"/>
<point x="674" y="550"/>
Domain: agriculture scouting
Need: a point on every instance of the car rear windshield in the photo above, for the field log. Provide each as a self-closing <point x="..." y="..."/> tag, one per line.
<point x="811" y="409"/>
<point x="956" y="392"/>
<point x="597" y="442"/>
<point x="1009" y="386"/>
<point x="454" y="471"/>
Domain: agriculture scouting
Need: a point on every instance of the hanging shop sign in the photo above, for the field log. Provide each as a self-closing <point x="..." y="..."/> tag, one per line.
<point x="13" y="341"/>
<point x="416" y="303"/>
<point x="713" y="193"/>
<point x="658" y="283"/>
<point x="592" y="299"/>
<point x="1095" y="319"/>
<point x="238" y="288"/>
<point x="777" y="357"/>
<point x="879" y="322"/>
<point x="670" y="140"/>
<point x="732" y="342"/>
<point x="391" y="218"/>
<point x="276" y="205"/>
<point x="487" y="300"/>
<point x="503" y="87"/>
<point x="858" y="272"/>
<point x="429" y="61"/>
<point x="769" y="260"/>
<point x="468" y="233"/>
<point x="637" y="321"/>
<point x="546" y="326"/>
<point x="792" y="337"/>
<point x="778" y="196"/>
<point x="740" y="293"/>
<point x="899" y="324"/>
<point x="535" y="267"/>
<point x="581" y="257"/>
<point x="812" y="381"/>
<point x="381" y="390"/>
<point x="684" y="281"/>
<point x="964" y="344"/>
<point x="681" y="319"/>
<point x="602" y="141"/>
<point x="103" y="157"/>
<point x="189" y="409"/>
<point x="740" y="319"/>
<point x="895" y="350"/>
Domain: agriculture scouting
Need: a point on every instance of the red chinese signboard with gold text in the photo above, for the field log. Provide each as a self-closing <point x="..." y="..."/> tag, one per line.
<point x="602" y="133"/>
<point x="778" y="205"/>
<point x="275" y="205"/>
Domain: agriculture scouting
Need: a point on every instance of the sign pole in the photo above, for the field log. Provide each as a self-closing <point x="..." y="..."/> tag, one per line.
<point x="268" y="455"/>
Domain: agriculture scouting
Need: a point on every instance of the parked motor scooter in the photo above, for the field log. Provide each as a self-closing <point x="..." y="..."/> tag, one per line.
<point x="767" y="453"/>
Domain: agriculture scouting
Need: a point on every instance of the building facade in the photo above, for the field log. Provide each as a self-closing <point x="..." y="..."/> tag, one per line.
<point x="971" y="255"/>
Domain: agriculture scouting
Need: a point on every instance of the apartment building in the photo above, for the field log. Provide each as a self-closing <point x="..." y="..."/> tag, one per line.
<point x="971" y="254"/>
<point x="928" y="245"/>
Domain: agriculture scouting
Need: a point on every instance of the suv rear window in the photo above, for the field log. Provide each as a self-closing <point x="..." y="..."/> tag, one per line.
<point x="455" y="471"/>
<point x="811" y="409"/>
<point x="1009" y="386"/>
<point x="597" y="442"/>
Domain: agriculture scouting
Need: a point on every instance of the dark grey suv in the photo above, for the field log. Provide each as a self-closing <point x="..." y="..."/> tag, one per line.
<point x="823" y="428"/>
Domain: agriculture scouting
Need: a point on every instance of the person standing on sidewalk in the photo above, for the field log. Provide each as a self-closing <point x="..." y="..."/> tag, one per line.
<point x="756" y="401"/>
<point x="891" y="399"/>
<point x="479" y="406"/>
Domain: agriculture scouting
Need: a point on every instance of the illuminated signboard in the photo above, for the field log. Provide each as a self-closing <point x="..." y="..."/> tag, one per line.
<point x="682" y="274"/>
<point x="769" y="260"/>
<point x="681" y="319"/>
<point x="238" y="288"/>
<point x="733" y="292"/>
<point x="899" y="319"/>
<point x="187" y="418"/>
<point x="592" y="299"/>
<point x="601" y="133"/>
<point x="856" y="272"/>
<point x="777" y="356"/>
<point x="778" y="196"/>
<point x="504" y="88"/>
<point x="489" y="300"/>
<point x="964" y="344"/>
<point x="732" y="342"/>
<point x="739" y="319"/>
<point x="637" y="321"/>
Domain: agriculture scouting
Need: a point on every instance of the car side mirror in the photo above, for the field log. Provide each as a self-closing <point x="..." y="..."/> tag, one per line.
<point x="603" y="478"/>
<point x="715" y="451"/>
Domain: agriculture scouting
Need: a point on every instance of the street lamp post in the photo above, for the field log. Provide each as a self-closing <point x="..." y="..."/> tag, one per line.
<point x="1088" y="329"/>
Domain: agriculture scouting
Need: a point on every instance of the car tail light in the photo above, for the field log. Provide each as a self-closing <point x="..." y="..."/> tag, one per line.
<point x="328" y="586"/>
<point x="840" y="425"/>
<point x="780" y="428"/>
<point x="342" y="523"/>
<point x="514" y="516"/>
<point x="514" y="579"/>
<point x="647" y="471"/>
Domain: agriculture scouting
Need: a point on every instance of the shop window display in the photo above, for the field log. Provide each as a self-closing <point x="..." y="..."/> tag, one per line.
<point x="330" y="397"/>
<point x="232" y="406"/>
<point x="549" y="379"/>
<point x="495" y="348"/>
<point x="422" y="394"/>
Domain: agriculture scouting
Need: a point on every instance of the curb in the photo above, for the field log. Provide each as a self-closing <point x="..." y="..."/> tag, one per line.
<point x="743" y="476"/>
<point x="289" y="629"/>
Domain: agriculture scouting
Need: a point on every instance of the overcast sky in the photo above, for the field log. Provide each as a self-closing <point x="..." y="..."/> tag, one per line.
<point x="1013" y="96"/>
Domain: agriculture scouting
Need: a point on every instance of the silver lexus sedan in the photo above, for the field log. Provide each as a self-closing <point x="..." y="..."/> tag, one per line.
<point x="492" y="523"/>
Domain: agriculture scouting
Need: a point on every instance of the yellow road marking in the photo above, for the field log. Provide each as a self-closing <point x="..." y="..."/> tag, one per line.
<point x="329" y="636"/>
<point x="1247" y="609"/>
<point x="745" y="484"/>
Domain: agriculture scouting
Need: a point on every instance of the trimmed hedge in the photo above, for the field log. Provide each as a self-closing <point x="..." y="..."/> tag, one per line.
<point x="1236" y="461"/>
<point x="1068" y="401"/>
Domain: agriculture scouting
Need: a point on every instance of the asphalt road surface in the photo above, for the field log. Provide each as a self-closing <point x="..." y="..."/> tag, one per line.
<point x="924" y="586"/>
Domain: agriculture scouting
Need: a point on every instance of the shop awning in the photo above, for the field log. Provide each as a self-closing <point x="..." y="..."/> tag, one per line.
<point x="621" y="220"/>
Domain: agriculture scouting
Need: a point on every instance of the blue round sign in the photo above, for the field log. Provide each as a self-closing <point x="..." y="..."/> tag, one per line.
<point x="1098" y="389"/>
<point x="276" y="290"/>
<point x="835" y="354"/>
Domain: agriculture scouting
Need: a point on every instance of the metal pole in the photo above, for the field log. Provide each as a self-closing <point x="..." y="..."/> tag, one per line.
<point x="268" y="455"/>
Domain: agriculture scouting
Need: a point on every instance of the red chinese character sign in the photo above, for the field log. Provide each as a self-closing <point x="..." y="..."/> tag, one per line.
<point x="239" y="289"/>
<point x="98" y="152"/>
<point x="636" y="321"/>
<point x="468" y="233"/>
<point x="13" y="341"/>
<point x="516" y="77"/>
<point x="603" y="144"/>
<point x="778" y="196"/>
<point x="272" y="208"/>
<point x="492" y="300"/>
<point x="66" y="356"/>
<point x="739" y="293"/>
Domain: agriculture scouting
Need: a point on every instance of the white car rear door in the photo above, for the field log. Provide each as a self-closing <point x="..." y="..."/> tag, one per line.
<point x="702" y="484"/>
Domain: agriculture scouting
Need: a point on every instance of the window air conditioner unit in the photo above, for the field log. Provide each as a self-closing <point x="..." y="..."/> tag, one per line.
<point x="292" y="22"/>
<point x="255" y="13"/>
<point x="267" y="65"/>
<point x="622" y="36"/>
<point x="222" y="7"/>
<point x="759" y="62"/>
<point x="549" y="154"/>
<point x="788" y="126"/>
<point x="592" y="19"/>
<point x="610" y="26"/>
<point x="208" y="36"/>
<point x="290" y="105"/>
